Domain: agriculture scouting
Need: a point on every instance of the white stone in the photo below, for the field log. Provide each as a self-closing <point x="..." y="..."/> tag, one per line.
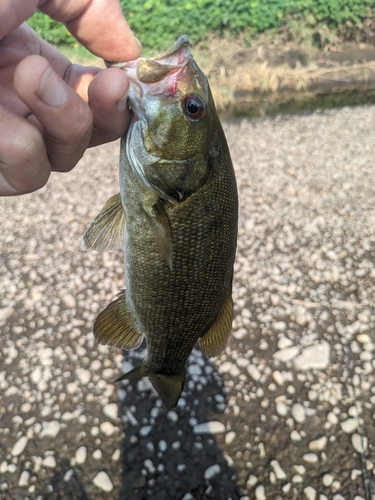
<point x="24" y="479"/>
<point x="327" y="480"/>
<point x="81" y="455"/>
<point x="5" y="313"/>
<point x="310" y="493"/>
<point x="284" y="342"/>
<point x="111" y="410"/>
<point x="286" y="354"/>
<point x="107" y="428"/>
<point x="281" y="408"/>
<point x="359" y="443"/>
<point x="315" y="357"/>
<point x="295" y="436"/>
<point x="163" y="446"/>
<point x="252" y="481"/>
<point x="310" y="458"/>
<point x="84" y="376"/>
<point x="145" y="430"/>
<point x="299" y="413"/>
<point x="212" y="471"/>
<point x="349" y="425"/>
<point x="49" y="461"/>
<point x="280" y="474"/>
<point x="279" y="326"/>
<point x="230" y="437"/>
<point x="318" y="444"/>
<point x="50" y="429"/>
<point x="149" y="466"/>
<point x="97" y="455"/>
<point x="260" y="493"/>
<point x="19" y="446"/>
<point x="116" y="455"/>
<point x="254" y="372"/>
<point x="213" y="427"/>
<point x="103" y="482"/>
<point x="36" y="375"/>
<point x="69" y="300"/>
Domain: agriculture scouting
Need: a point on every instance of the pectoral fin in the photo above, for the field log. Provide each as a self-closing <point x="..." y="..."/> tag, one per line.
<point x="116" y="326"/>
<point x="161" y="229"/>
<point x="214" y="341"/>
<point x="106" y="231"/>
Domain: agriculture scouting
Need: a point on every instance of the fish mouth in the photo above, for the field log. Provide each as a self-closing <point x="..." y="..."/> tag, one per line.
<point x="156" y="77"/>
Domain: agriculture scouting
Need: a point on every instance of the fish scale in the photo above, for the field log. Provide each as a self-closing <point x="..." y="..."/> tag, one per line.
<point x="179" y="210"/>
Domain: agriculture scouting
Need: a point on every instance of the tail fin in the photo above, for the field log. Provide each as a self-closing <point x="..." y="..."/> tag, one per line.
<point x="169" y="387"/>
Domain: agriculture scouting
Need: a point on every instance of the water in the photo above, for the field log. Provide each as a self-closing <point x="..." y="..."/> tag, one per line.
<point x="300" y="105"/>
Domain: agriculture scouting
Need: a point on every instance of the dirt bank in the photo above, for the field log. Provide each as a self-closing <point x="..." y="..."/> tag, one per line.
<point x="276" y="71"/>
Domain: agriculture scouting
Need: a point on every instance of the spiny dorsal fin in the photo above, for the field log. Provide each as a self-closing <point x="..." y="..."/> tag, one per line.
<point x="106" y="231"/>
<point x="161" y="229"/>
<point x="214" y="341"/>
<point x="116" y="326"/>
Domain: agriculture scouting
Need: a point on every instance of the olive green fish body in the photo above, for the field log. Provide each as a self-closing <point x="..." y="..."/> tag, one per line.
<point x="178" y="197"/>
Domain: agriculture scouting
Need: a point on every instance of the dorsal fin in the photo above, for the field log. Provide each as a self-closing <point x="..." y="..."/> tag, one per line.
<point x="106" y="231"/>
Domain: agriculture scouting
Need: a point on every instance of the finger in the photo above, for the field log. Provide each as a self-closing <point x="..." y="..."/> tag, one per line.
<point x="99" y="25"/>
<point x="13" y="13"/>
<point x="108" y="102"/>
<point x="65" y="117"/>
<point x="24" y="165"/>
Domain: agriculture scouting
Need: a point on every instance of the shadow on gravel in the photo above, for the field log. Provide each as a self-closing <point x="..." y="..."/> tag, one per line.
<point x="163" y="458"/>
<point x="67" y="484"/>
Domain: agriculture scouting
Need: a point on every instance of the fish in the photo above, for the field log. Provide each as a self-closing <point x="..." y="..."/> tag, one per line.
<point x="176" y="218"/>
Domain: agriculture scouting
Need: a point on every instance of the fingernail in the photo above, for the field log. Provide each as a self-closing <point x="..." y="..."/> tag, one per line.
<point x="51" y="90"/>
<point x="122" y="103"/>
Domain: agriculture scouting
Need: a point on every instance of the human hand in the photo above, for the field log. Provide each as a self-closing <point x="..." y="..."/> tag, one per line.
<point x="50" y="109"/>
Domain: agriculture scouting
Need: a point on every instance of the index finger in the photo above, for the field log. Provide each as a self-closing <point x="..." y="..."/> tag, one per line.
<point x="99" y="25"/>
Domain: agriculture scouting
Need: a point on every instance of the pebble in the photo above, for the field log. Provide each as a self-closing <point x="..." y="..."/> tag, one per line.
<point x="299" y="413"/>
<point x="314" y="357"/>
<point x="69" y="300"/>
<point x="84" y="376"/>
<point x="111" y="410"/>
<point x="107" y="428"/>
<point x="19" y="446"/>
<point x="212" y="471"/>
<point x="310" y="493"/>
<point x="254" y="372"/>
<point x="81" y="455"/>
<point x="213" y="427"/>
<point x="50" y="462"/>
<point x="327" y="479"/>
<point x="310" y="458"/>
<point x="260" y="493"/>
<point x="349" y="425"/>
<point x="286" y="354"/>
<point x="6" y="313"/>
<point x="50" y="429"/>
<point x="280" y="474"/>
<point x="318" y="444"/>
<point x="145" y="430"/>
<point x="103" y="482"/>
<point x="359" y="443"/>
<point x="23" y="481"/>
<point x="230" y="437"/>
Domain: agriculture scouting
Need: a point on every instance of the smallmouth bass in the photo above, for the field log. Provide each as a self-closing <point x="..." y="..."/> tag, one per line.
<point x="176" y="218"/>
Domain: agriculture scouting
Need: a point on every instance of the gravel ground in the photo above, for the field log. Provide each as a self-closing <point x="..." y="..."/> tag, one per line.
<point x="286" y="412"/>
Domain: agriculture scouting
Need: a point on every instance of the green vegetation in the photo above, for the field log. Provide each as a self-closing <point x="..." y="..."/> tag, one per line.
<point x="157" y="23"/>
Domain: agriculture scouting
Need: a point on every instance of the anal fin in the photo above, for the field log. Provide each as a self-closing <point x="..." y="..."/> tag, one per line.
<point x="116" y="326"/>
<point x="213" y="342"/>
<point x="106" y="231"/>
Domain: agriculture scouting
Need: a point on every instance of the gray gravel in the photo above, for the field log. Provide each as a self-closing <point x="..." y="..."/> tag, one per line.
<point x="286" y="412"/>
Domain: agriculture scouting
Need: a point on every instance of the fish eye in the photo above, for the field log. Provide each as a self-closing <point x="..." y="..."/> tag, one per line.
<point x="193" y="107"/>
